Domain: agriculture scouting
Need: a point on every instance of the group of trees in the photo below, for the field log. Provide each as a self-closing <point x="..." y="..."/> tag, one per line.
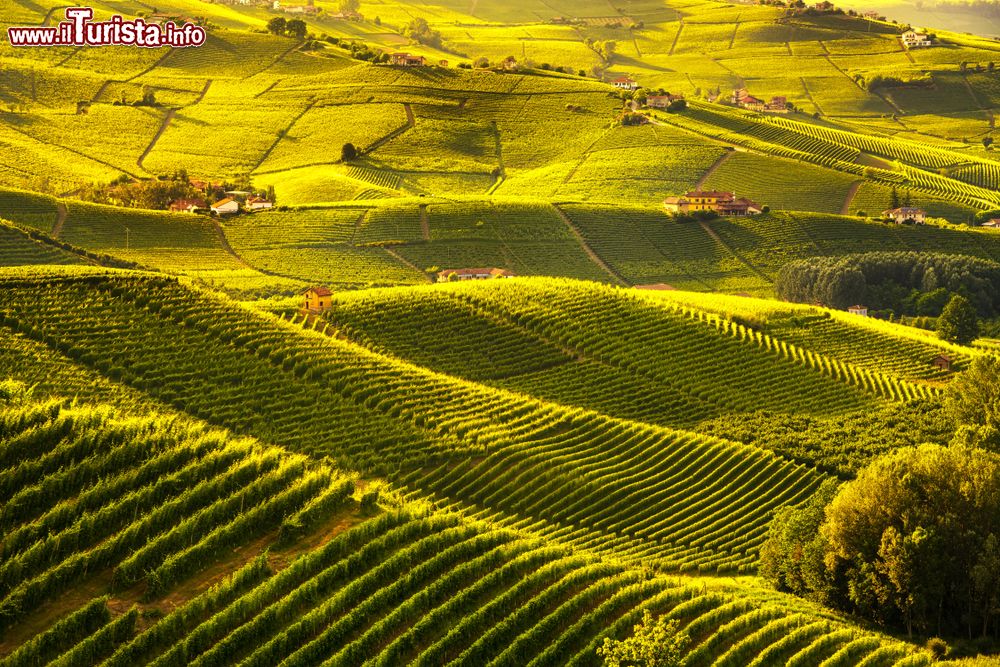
<point x="908" y="283"/>
<point x="420" y="31"/>
<point x="913" y="542"/>
<point x="294" y="28"/>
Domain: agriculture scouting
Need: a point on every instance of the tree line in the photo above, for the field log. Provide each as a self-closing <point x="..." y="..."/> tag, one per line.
<point x="904" y="283"/>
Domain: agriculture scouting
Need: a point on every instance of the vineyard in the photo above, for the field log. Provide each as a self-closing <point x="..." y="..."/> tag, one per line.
<point x="199" y="469"/>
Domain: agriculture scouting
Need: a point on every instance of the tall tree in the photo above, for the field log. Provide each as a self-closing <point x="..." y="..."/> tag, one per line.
<point x="958" y="322"/>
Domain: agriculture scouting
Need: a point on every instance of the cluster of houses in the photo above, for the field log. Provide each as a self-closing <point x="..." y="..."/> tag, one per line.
<point x="744" y="100"/>
<point x="233" y="203"/>
<point x="721" y="203"/>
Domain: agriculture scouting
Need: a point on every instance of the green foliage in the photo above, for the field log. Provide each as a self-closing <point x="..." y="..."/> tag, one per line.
<point x="654" y="643"/>
<point x="907" y="283"/>
<point x="973" y="400"/>
<point x="911" y="543"/>
<point x="958" y="322"/>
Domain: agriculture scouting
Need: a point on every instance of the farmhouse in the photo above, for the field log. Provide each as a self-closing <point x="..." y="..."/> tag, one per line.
<point x="905" y="214"/>
<point x="824" y="6"/>
<point x="942" y="361"/>
<point x="662" y="101"/>
<point x="743" y="99"/>
<point x="226" y="206"/>
<point x="723" y="203"/>
<point x="625" y="83"/>
<point x="301" y="9"/>
<point x="992" y="224"/>
<point x="858" y="310"/>
<point x="913" y="39"/>
<point x="188" y="205"/>
<point x="318" y="299"/>
<point x="258" y="204"/>
<point x="407" y="60"/>
<point x="472" y="274"/>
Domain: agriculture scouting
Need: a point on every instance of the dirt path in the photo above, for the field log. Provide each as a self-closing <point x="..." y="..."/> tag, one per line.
<point x="277" y="60"/>
<point x="718" y="239"/>
<point x="156" y="137"/>
<point x="711" y="170"/>
<point x="851" y="193"/>
<point x="284" y="133"/>
<point x="402" y="260"/>
<point x="677" y="37"/>
<point x="224" y="242"/>
<point x="425" y="225"/>
<point x="594" y="257"/>
<point x="60" y="220"/>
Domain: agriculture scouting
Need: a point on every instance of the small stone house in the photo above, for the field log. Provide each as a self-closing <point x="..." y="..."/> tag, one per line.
<point x="318" y="299"/>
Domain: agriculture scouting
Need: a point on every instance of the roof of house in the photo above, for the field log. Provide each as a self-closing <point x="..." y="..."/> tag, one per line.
<point x="943" y="357"/>
<point x="623" y="79"/>
<point x="257" y="200"/>
<point x="188" y="202"/>
<point x="223" y="202"/>
<point x="709" y="193"/>
<point x="319" y="291"/>
<point x="904" y="210"/>
<point x="858" y="307"/>
<point x="477" y="272"/>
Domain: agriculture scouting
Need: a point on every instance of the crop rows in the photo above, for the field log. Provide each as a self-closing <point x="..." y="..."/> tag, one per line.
<point x="153" y="500"/>
<point x="18" y="249"/>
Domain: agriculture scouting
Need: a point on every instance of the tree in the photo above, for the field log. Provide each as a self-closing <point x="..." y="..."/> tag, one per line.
<point x="482" y="62"/>
<point x="277" y="25"/>
<point x="654" y="643"/>
<point x="347" y="7"/>
<point x="987" y="142"/>
<point x="973" y="401"/>
<point x="958" y="322"/>
<point x="904" y="539"/>
<point x="296" y="28"/>
<point x="894" y="198"/>
<point x="348" y="152"/>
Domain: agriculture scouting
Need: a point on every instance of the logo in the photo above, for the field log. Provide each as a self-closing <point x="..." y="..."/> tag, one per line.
<point x="79" y="29"/>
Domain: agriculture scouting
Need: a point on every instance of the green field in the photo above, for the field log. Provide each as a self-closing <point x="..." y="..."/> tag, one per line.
<point x="197" y="470"/>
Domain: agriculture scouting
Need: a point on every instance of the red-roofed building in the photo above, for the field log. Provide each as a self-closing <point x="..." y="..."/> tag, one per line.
<point x="625" y="83"/>
<point x="723" y="203"/>
<point x="407" y="60"/>
<point x="318" y="299"/>
<point x="662" y="101"/>
<point x="187" y="205"/>
<point x="258" y="203"/>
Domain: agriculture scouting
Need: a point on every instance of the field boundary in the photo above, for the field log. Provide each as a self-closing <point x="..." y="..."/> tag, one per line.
<point x="718" y="239"/>
<point x="711" y="170"/>
<point x="851" y="194"/>
<point x="594" y="257"/>
<point x="61" y="214"/>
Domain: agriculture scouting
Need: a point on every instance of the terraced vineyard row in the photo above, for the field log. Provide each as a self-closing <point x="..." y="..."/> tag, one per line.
<point x="378" y="414"/>
<point x="152" y="499"/>
<point x="18" y="249"/>
<point x="608" y="325"/>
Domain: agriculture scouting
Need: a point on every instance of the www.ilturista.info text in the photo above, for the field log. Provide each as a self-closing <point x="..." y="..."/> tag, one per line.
<point x="80" y="30"/>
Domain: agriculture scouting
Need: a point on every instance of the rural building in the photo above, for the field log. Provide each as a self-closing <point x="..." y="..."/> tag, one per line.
<point x="914" y="40"/>
<point x="992" y="224"/>
<point x="824" y="6"/>
<point x="301" y="9"/>
<point x="472" y="274"/>
<point x="226" y="206"/>
<point x="744" y="100"/>
<point x="942" y="361"/>
<point x="187" y="205"/>
<point x="858" y="310"/>
<point x="407" y="60"/>
<point x="662" y="101"/>
<point x="258" y="204"/>
<point x="318" y="299"/>
<point x="905" y="214"/>
<point x="723" y="203"/>
<point x="443" y="63"/>
<point x="509" y="64"/>
<point x="625" y="83"/>
<point x="872" y="15"/>
<point x="778" y="104"/>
